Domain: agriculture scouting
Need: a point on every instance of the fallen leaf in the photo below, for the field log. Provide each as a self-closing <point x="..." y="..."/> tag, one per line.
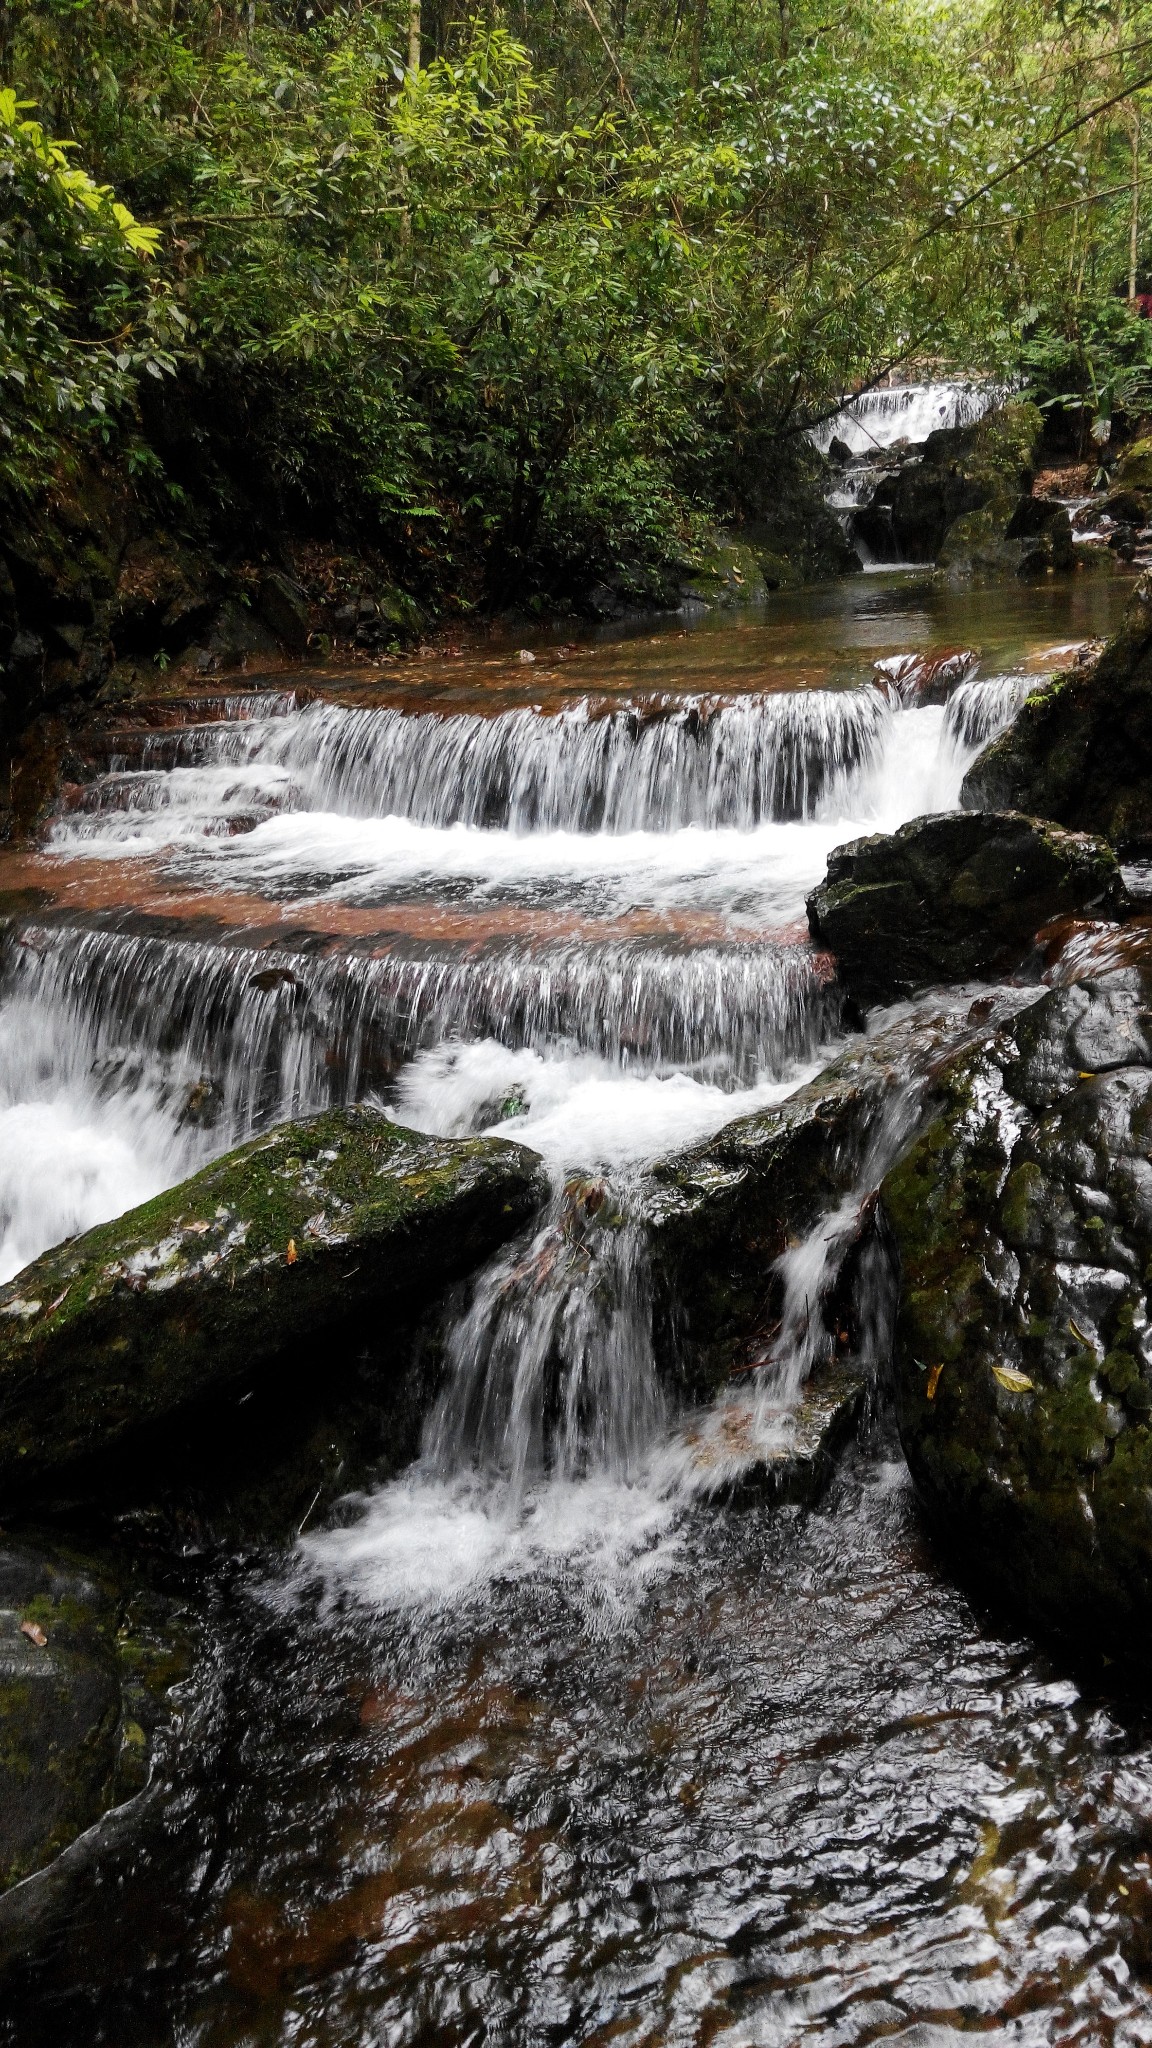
<point x="291" y="1251"/>
<point x="1016" y="1382"/>
<point x="1086" y="1076"/>
<point x="1078" y="1333"/>
<point x="34" y="1633"/>
<point x="933" y="1381"/>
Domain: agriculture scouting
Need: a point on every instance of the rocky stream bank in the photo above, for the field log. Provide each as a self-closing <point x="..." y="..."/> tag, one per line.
<point x="973" y="1165"/>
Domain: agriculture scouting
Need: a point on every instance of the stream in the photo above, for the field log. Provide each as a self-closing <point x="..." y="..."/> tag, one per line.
<point x="536" y="1741"/>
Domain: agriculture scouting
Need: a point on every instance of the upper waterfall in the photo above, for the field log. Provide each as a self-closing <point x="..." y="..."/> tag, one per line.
<point x="905" y="412"/>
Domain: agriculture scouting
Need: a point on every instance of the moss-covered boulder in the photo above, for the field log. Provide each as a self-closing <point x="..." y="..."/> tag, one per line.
<point x="721" y="1214"/>
<point x="954" y="897"/>
<point x="1023" y="1220"/>
<point x="1080" y="749"/>
<point x="1133" y="472"/>
<point x="268" y="1253"/>
<point x="85" y="1669"/>
<point x="960" y="494"/>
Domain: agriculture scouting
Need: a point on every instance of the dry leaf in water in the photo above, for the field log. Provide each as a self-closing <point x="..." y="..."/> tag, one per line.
<point x="933" y="1381"/>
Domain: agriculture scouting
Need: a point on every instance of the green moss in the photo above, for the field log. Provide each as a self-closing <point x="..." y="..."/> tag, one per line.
<point x="291" y="1234"/>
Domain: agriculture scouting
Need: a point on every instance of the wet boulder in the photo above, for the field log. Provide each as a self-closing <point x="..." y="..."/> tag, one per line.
<point x="955" y="897"/>
<point x="721" y="1216"/>
<point x="264" y="1258"/>
<point x="958" y="496"/>
<point x="1022" y="1217"/>
<point x="85" y="1669"/>
<point x="1080" y="749"/>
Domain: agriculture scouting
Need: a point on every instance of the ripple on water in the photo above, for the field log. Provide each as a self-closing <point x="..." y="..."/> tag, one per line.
<point x="787" y="1791"/>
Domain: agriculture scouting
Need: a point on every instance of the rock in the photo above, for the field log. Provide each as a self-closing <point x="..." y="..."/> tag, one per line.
<point x="731" y="1455"/>
<point x="1022" y="1217"/>
<point x="794" y="534"/>
<point x="1134" y="469"/>
<point x="85" y="1667"/>
<point x="720" y="1215"/>
<point x="956" y="501"/>
<point x="1128" y="507"/>
<point x="1080" y="748"/>
<point x="729" y="573"/>
<point x="258" y="1259"/>
<point x="954" y="897"/>
<point x="284" y="608"/>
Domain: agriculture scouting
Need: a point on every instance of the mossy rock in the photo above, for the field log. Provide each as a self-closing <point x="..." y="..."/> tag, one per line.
<point x="954" y="504"/>
<point x="1022" y="1217"/>
<point x="953" y="898"/>
<point x="720" y="1214"/>
<point x="271" y="1252"/>
<point x="977" y="544"/>
<point x="1134" y="469"/>
<point x="86" y="1665"/>
<point x="729" y="573"/>
<point x="1080" y="749"/>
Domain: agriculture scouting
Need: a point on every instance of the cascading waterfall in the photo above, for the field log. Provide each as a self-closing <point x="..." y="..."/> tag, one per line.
<point x="551" y="1367"/>
<point x="905" y="412"/>
<point x="981" y="708"/>
<point x="128" y="1060"/>
<point x="699" y="763"/>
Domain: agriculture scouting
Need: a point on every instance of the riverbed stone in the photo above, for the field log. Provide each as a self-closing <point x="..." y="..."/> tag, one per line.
<point x="1022" y="1220"/>
<point x="86" y="1666"/>
<point x="265" y="1257"/>
<point x="954" y="897"/>
<point x="1080" y="748"/>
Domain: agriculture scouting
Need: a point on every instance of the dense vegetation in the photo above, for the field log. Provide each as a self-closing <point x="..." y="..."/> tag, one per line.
<point x="534" y="296"/>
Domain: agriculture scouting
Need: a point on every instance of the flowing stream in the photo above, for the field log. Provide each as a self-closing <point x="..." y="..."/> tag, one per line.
<point x="538" y="1740"/>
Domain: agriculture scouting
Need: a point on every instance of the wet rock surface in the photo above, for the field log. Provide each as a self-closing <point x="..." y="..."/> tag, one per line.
<point x="954" y="897"/>
<point x="1080" y="749"/>
<point x="1022" y="1216"/>
<point x="721" y="1215"/>
<point x="85" y="1670"/>
<point x="956" y="494"/>
<point x="269" y="1254"/>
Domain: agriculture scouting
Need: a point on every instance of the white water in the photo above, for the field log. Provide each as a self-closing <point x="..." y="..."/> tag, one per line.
<point x="127" y="1061"/>
<point x="906" y="412"/>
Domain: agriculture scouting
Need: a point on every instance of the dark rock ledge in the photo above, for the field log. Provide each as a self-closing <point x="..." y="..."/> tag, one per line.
<point x="1022" y="1218"/>
<point x="955" y="897"/>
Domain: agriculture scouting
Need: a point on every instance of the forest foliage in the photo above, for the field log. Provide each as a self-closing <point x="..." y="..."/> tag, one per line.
<point x="572" y="287"/>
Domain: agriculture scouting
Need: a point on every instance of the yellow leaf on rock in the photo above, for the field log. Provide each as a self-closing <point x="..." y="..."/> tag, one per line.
<point x="291" y="1251"/>
<point x="1016" y="1382"/>
<point x="933" y="1381"/>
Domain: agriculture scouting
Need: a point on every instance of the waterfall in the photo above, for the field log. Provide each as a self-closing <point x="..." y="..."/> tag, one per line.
<point x="906" y="412"/>
<point x="128" y="1061"/>
<point x="551" y="1368"/>
<point x="701" y="762"/>
<point x="978" y="710"/>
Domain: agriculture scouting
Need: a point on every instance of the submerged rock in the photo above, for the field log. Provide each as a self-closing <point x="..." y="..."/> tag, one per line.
<point x="84" y="1673"/>
<point x="262" y="1256"/>
<point x="1022" y="1216"/>
<point x="954" y="897"/>
<point x="1080" y="749"/>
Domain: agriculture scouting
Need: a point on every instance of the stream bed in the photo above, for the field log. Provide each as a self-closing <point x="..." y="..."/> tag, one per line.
<point x="535" y="1741"/>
